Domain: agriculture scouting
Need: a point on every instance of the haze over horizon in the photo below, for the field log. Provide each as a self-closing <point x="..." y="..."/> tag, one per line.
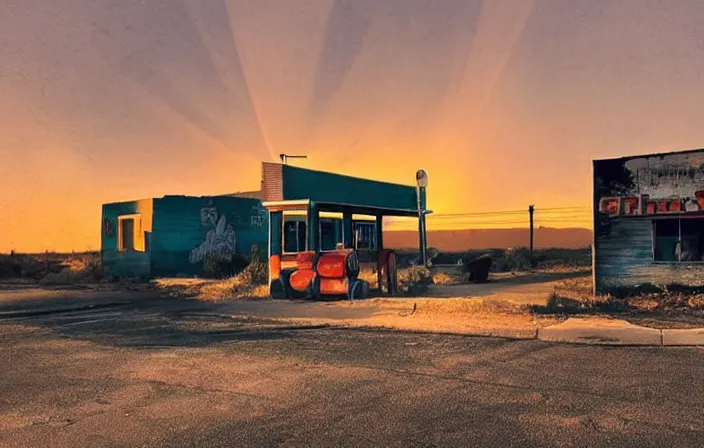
<point x="505" y="104"/>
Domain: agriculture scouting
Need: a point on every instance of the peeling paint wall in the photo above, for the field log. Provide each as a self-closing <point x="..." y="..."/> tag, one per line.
<point x="629" y="195"/>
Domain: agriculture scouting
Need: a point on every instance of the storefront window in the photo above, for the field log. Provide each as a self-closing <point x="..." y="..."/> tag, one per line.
<point x="330" y="233"/>
<point x="294" y="234"/>
<point x="678" y="240"/>
<point x="365" y="236"/>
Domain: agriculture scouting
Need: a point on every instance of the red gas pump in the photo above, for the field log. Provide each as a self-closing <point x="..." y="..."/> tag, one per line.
<point x="387" y="272"/>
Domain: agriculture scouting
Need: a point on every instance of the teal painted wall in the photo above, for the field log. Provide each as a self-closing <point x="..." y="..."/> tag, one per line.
<point x="299" y="183"/>
<point x="186" y="229"/>
<point x="125" y="264"/>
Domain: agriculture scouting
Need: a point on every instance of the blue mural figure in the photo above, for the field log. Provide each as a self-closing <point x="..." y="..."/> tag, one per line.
<point x="220" y="239"/>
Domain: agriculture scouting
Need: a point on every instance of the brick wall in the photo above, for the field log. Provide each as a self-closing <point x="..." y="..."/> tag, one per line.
<point x="272" y="182"/>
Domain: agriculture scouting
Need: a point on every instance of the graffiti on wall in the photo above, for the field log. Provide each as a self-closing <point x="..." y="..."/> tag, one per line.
<point x="258" y="213"/>
<point x="220" y="238"/>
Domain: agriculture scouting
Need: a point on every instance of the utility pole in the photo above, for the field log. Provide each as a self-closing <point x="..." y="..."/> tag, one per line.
<point x="531" y="211"/>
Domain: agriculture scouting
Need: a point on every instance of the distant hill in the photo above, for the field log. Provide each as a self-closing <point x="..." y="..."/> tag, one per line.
<point x="461" y="240"/>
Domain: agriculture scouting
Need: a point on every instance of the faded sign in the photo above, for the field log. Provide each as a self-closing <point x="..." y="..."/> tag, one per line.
<point x="650" y="185"/>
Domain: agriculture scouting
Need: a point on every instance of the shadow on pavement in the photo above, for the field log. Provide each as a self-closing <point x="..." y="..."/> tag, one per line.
<point x="137" y="319"/>
<point x="504" y="282"/>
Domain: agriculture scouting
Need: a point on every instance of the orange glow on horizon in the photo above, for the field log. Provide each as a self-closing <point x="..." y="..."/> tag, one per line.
<point x="504" y="104"/>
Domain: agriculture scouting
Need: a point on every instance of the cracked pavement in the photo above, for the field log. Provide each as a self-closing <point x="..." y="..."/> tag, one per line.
<point x="162" y="373"/>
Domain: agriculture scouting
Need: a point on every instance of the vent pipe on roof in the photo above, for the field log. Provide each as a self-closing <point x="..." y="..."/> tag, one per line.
<point x="285" y="157"/>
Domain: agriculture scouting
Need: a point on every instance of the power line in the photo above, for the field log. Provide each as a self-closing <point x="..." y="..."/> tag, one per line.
<point x="564" y="209"/>
<point x="509" y="212"/>
<point x="557" y="212"/>
<point x="584" y="209"/>
<point x="491" y="219"/>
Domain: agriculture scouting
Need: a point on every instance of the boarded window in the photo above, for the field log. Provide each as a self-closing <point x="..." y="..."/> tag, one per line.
<point x="294" y="234"/>
<point x="678" y="240"/>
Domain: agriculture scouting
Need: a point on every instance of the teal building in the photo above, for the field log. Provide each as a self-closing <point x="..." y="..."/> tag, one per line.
<point x="173" y="235"/>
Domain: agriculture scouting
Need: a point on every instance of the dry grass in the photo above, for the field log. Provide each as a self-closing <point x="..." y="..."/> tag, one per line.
<point x="38" y="266"/>
<point x="232" y="288"/>
<point x="443" y="278"/>
<point x="696" y="302"/>
<point x="576" y="296"/>
<point x="248" y="284"/>
<point x="367" y="272"/>
<point x="84" y="268"/>
<point x="52" y="268"/>
<point x="473" y="306"/>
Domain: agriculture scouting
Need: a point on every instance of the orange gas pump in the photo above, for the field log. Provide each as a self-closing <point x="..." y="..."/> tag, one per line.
<point x="332" y="274"/>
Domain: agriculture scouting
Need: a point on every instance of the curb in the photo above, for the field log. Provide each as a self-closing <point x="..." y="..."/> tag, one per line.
<point x="487" y="335"/>
<point x="679" y="338"/>
<point x="618" y="333"/>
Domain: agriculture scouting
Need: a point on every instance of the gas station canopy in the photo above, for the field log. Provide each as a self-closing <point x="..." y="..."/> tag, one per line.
<point x="312" y="255"/>
<point x="289" y="183"/>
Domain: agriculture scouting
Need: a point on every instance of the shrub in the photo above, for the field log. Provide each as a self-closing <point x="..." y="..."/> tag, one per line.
<point x="549" y="258"/>
<point x="519" y="258"/>
<point x="75" y="269"/>
<point x="561" y="304"/>
<point x="256" y="273"/>
<point x="250" y="283"/>
<point x="9" y="268"/>
<point x="369" y="275"/>
<point x="696" y="302"/>
<point x="513" y="259"/>
<point x="224" y="265"/>
<point x="415" y="280"/>
<point x="443" y="278"/>
<point x="643" y="304"/>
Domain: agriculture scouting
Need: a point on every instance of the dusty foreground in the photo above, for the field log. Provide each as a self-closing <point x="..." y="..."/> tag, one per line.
<point x="157" y="372"/>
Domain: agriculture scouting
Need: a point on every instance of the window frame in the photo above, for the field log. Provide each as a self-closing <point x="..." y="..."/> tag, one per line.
<point x="338" y="222"/>
<point x="283" y="232"/>
<point x="375" y="243"/>
<point x="138" y="238"/>
<point x="679" y="239"/>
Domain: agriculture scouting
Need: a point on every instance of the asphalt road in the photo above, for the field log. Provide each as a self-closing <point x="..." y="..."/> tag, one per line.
<point x="163" y="373"/>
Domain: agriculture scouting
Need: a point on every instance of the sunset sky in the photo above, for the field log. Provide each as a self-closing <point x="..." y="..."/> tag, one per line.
<point x="504" y="103"/>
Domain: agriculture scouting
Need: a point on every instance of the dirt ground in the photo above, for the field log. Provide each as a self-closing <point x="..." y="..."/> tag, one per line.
<point x="135" y="369"/>
<point x="500" y="307"/>
<point x="495" y="308"/>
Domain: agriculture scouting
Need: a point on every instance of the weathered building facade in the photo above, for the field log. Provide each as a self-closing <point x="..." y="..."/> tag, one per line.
<point x="649" y="221"/>
<point x="173" y="235"/>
